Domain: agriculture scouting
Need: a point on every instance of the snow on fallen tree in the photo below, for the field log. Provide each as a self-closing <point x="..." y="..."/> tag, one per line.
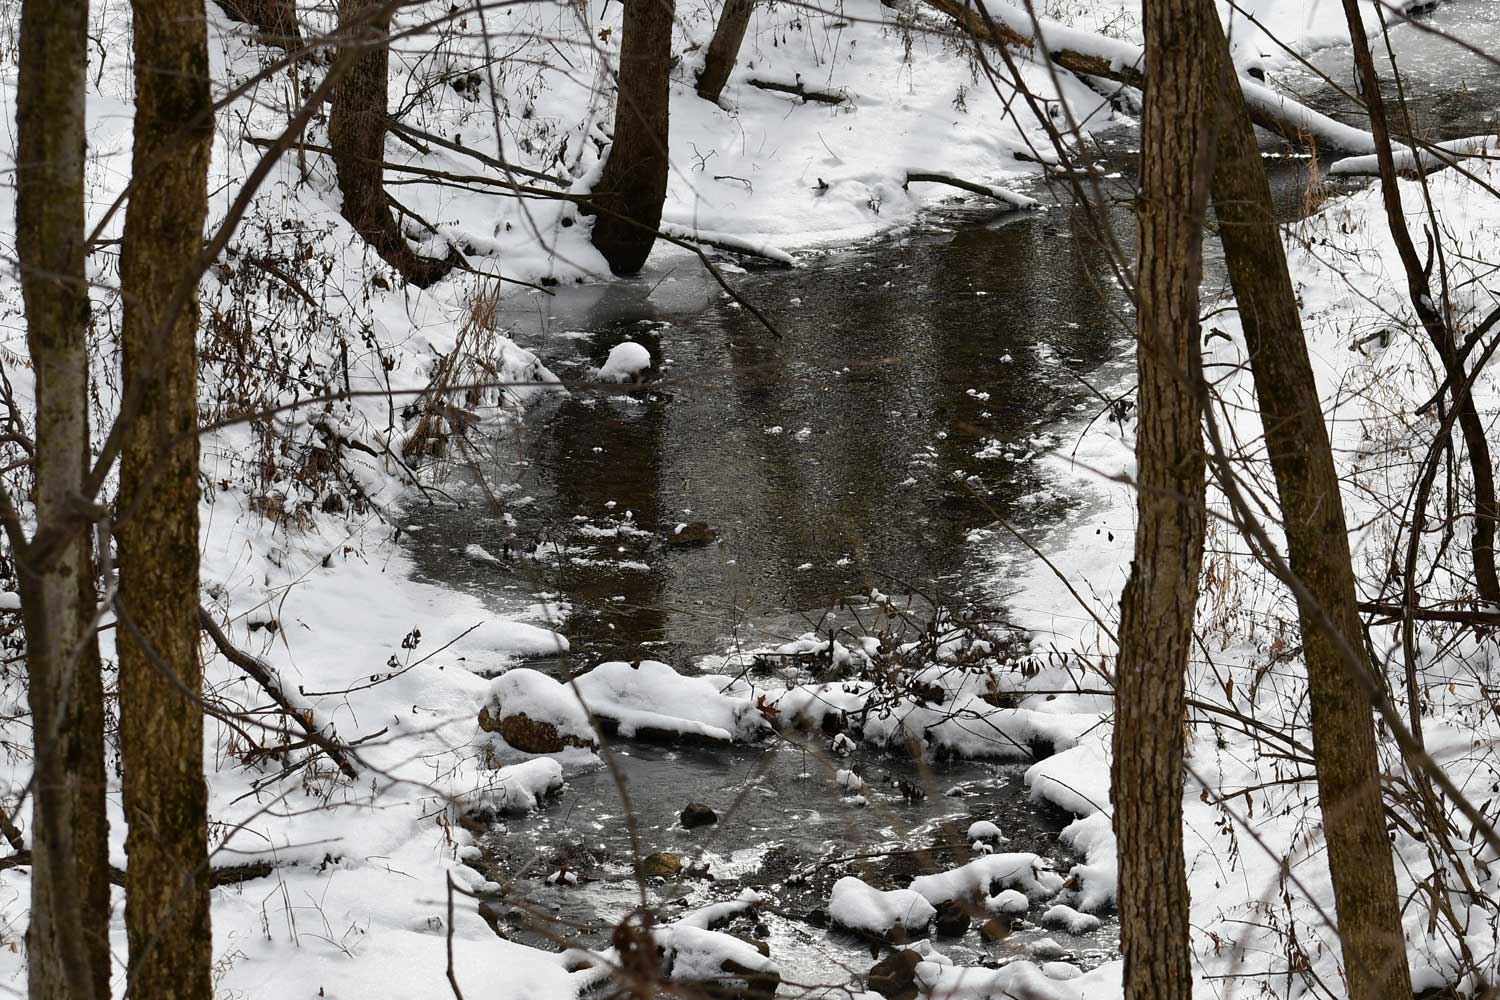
<point x="1434" y="156"/>
<point x="1089" y="55"/>
<point x="727" y="241"/>
<point x="986" y="190"/>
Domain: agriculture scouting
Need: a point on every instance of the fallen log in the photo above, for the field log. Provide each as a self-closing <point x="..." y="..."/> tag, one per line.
<point x="798" y="90"/>
<point x="988" y="191"/>
<point x="227" y="875"/>
<point x="1410" y="161"/>
<point x="726" y="241"/>
<point x="1086" y="54"/>
<point x="324" y="738"/>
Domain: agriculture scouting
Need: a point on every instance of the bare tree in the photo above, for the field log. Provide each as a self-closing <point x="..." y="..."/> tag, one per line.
<point x="1348" y="766"/>
<point x="629" y="195"/>
<point x="161" y="723"/>
<point x="356" y="135"/>
<point x="1161" y="597"/>
<point x="724" y="48"/>
<point x="68" y="941"/>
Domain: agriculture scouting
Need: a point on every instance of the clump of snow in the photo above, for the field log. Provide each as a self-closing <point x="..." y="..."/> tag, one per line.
<point x="850" y="782"/>
<point x="479" y="554"/>
<point x="625" y="363"/>
<point x="861" y="907"/>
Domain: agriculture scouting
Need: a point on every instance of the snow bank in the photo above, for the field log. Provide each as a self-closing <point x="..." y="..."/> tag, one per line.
<point x="516" y="789"/>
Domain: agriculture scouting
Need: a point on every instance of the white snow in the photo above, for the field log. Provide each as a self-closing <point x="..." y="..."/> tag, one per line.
<point x="625" y="363"/>
<point x="858" y="906"/>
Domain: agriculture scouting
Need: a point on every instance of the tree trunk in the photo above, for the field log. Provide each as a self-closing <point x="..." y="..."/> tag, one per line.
<point x="1161" y="597"/>
<point x="1486" y="507"/>
<point x="724" y="48"/>
<point x="161" y="720"/>
<point x="275" y="19"/>
<point x="1359" y="854"/>
<point x="68" y="941"/>
<point x="634" y="185"/>
<point x="356" y="135"/>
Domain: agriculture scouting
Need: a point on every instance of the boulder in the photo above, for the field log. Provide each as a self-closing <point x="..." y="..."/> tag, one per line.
<point x="697" y="814"/>
<point x="662" y="864"/>
<point x="952" y="919"/>
<point x="895" y="976"/>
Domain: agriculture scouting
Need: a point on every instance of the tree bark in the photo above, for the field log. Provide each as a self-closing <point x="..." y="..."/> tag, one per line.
<point x="724" y="48"/>
<point x="1161" y="597"/>
<point x="633" y="187"/>
<point x="68" y="940"/>
<point x="1359" y="854"/>
<point x="275" y="19"/>
<point x="161" y="721"/>
<point x="356" y="134"/>
<point x="1486" y="507"/>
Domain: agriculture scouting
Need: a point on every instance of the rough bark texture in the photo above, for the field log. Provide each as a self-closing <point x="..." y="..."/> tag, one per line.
<point x="1359" y="855"/>
<point x="724" y="48"/>
<point x="1156" y="615"/>
<point x="276" y="19"/>
<point x="1428" y="310"/>
<point x="634" y="185"/>
<point x="161" y="722"/>
<point x="356" y="134"/>
<point x="68" y="940"/>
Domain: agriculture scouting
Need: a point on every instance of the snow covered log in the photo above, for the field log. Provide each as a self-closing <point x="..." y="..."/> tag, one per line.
<point x="988" y="191"/>
<point x="1090" y="55"/>
<point x="726" y="241"/>
<point x="1434" y="157"/>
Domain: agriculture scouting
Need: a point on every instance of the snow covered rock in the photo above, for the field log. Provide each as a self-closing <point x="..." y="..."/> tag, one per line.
<point x="896" y="915"/>
<point x="895" y="976"/>
<point x="722" y="964"/>
<point x="625" y="363"/>
<point x="984" y="830"/>
<point x="535" y="714"/>
<point x="653" y="701"/>
<point x="1068" y="919"/>
<point x="988" y="875"/>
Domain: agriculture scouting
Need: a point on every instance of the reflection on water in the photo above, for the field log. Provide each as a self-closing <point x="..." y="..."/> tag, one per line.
<point x="916" y="382"/>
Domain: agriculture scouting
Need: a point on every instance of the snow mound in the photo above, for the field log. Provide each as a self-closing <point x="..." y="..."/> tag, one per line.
<point x="653" y="700"/>
<point x="984" y="830"/>
<point x="861" y="907"/>
<point x="625" y="363"/>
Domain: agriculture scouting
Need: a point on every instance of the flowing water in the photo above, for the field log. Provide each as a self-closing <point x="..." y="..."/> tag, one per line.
<point x="918" y="377"/>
